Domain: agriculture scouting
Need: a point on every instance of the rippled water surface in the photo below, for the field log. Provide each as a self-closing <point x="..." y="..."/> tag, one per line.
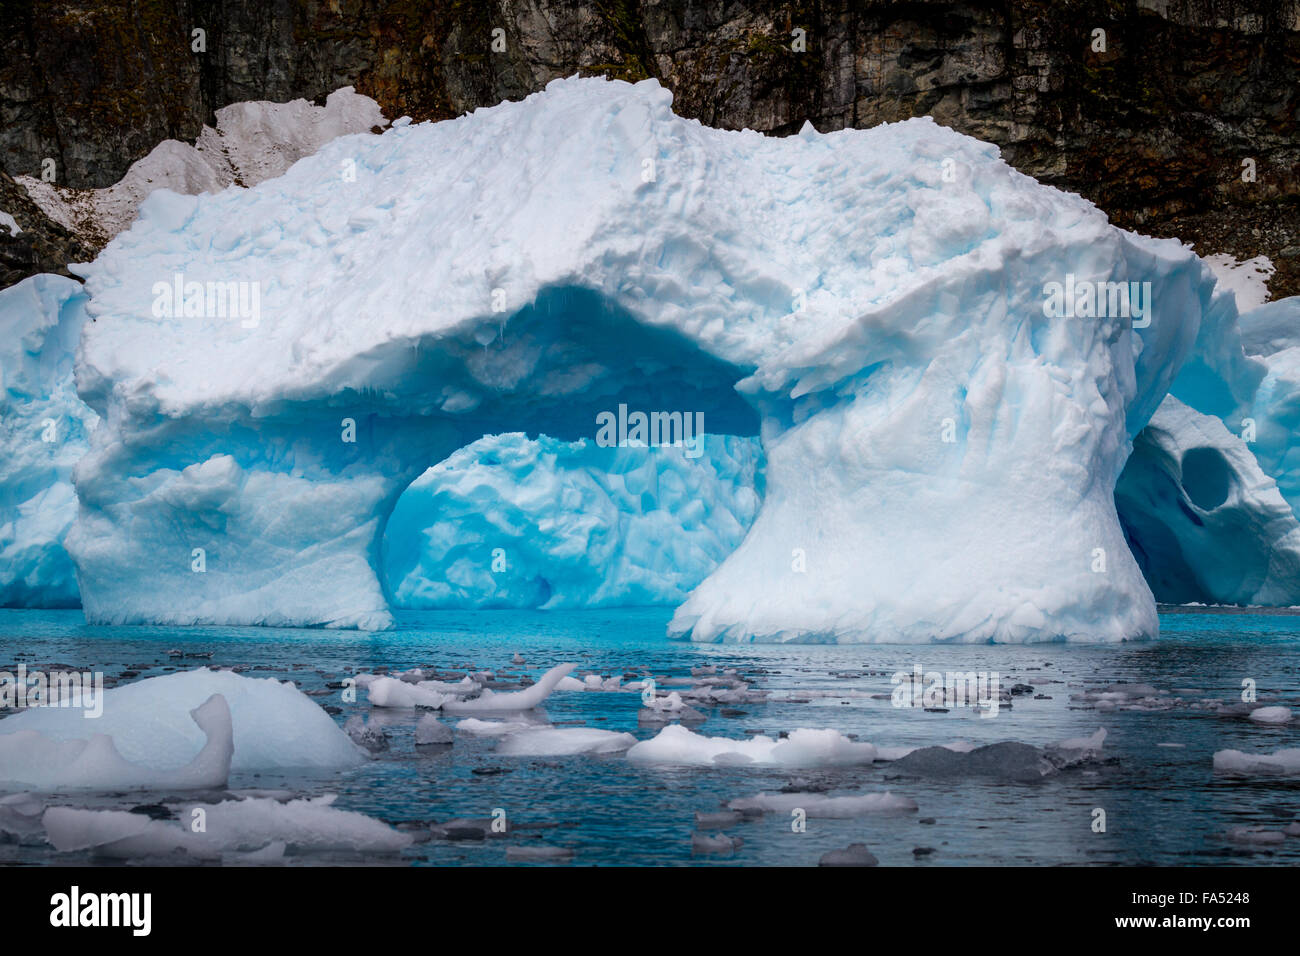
<point x="1163" y="804"/>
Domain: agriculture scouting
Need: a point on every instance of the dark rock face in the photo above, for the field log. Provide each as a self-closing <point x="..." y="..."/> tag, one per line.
<point x="1153" y="125"/>
<point x="42" y="246"/>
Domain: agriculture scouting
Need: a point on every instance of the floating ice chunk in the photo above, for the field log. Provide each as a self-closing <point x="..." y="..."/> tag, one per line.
<point x="275" y="725"/>
<point x="1279" y="763"/>
<point x="1256" y="835"/>
<point x="825" y="807"/>
<point x="1093" y="742"/>
<point x="20" y="816"/>
<point x="34" y="760"/>
<point x="721" y="843"/>
<point x="372" y="738"/>
<point x="803" y="748"/>
<point x="1271" y="715"/>
<point x="391" y="692"/>
<point x="571" y="683"/>
<point x="855" y="854"/>
<point x="562" y="741"/>
<point x="311" y="825"/>
<point x="430" y="730"/>
<point x="490" y="702"/>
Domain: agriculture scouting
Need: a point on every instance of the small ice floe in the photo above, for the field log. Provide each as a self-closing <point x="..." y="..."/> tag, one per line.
<point x="517" y="659"/>
<point x="311" y="825"/>
<point x="718" y="820"/>
<point x="527" y="699"/>
<point x="1171" y="745"/>
<point x="564" y="741"/>
<point x="855" y="854"/>
<point x="825" y="807"/>
<point x="431" y="731"/>
<point x="715" y="843"/>
<point x="1256" y="836"/>
<point x="662" y="710"/>
<point x="1124" y="696"/>
<point x="1093" y="742"/>
<point x="394" y="692"/>
<point x="1271" y="715"/>
<point x="20" y="817"/>
<point x="274" y="725"/>
<point x="374" y="739"/>
<point x="570" y="683"/>
<point x="676" y="745"/>
<point x="538" y="854"/>
<point x="33" y="760"/>
<point x="1279" y="763"/>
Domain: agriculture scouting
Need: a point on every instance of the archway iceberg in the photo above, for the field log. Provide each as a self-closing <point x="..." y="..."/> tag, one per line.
<point x="945" y="360"/>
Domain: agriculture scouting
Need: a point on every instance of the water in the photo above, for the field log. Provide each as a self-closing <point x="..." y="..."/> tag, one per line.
<point x="1163" y="805"/>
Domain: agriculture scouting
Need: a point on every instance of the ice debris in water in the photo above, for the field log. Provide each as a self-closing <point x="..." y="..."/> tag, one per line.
<point x="676" y="744"/>
<point x="430" y="730"/>
<point x="307" y="825"/>
<point x="563" y="741"/>
<point x="1271" y="715"/>
<point x="1279" y="763"/>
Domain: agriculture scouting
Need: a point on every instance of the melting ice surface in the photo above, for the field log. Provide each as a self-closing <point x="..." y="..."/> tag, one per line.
<point x="1171" y="711"/>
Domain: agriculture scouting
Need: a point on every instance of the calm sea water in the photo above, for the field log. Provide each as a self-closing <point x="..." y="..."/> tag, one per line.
<point x="1163" y="804"/>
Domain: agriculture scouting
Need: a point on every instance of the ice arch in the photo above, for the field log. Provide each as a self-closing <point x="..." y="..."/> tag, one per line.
<point x="941" y="450"/>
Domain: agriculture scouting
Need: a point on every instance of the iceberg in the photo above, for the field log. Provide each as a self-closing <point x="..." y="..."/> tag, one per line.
<point x="941" y="426"/>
